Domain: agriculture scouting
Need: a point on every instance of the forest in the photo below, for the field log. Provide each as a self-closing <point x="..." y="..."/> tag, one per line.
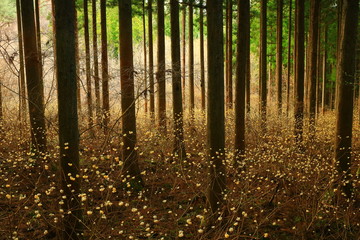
<point x="180" y="119"/>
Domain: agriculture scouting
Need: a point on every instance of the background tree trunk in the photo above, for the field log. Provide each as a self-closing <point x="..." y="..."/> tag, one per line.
<point x="151" y="62"/>
<point x="191" y="59"/>
<point x="160" y="75"/>
<point x="96" y="64"/>
<point x="229" y="55"/>
<point x="87" y="69"/>
<point x="263" y="64"/>
<point x="145" y="58"/>
<point x="289" y="61"/>
<point x="104" y="67"/>
<point x="68" y="117"/>
<point x="34" y="82"/>
<point x="183" y="40"/>
<point x="279" y="52"/>
<point x="202" y="57"/>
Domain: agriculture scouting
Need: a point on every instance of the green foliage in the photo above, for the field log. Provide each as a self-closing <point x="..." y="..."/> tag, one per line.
<point x="7" y="10"/>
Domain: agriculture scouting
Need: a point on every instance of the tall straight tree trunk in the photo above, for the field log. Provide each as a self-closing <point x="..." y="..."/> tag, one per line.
<point x="289" y="61"/>
<point x="38" y="35"/>
<point x="145" y="58"/>
<point x="313" y="54"/>
<point x="68" y="117"/>
<point x="229" y="87"/>
<point x="129" y="154"/>
<point x="319" y="69"/>
<point x="263" y="65"/>
<point x="77" y="59"/>
<point x="279" y="51"/>
<point x="216" y="111"/>
<point x="191" y="59"/>
<point x="35" y="87"/>
<point x="202" y="57"/>
<point x="96" y="64"/>
<point x="248" y="68"/>
<point x="344" y="104"/>
<point x="160" y="75"/>
<point x="242" y="45"/>
<point x="183" y="40"/>
<point x="179" y="146"/>
<point x="324" y="71"/>
<point x="87" y="68"/>
<point x="104" y="67"/>
<point x="299" y="69"/>
<point x="151" y="62"/>
<point x="22" y="91"/>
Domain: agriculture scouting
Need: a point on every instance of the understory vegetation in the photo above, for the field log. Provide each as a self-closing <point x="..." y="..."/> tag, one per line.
<point x="278" y="192"/>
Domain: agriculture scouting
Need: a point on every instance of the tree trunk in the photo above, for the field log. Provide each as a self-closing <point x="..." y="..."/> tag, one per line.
<point x="215" y="114"/>
<point x="229" y="55"/>
<point x="248" y="68"/>
<point x="104" y="67"/>
<point x="161" y="67"/>
<point x="87" y="68"/>
<point x="38" y="36"/>
<point x="179" y="147"/>
<point x="313" y="54"/>
<point x="96" y="64"/>
<point x="183" y="40"/>
<point x="34" y="82"/>
<point x="191" y="59"/>
<point x="22" y="91"/>
<point x="151" y="62"/>
<point x="129" y="154"/>
<point x="242" y="45"/>
<point x="289" y="62"/>
<point x="299" y="69"/>
<point x="324" y="71"/>
<point x="68" y="117"/>
<point x="279" y="52"/>
<point x="77" y="59"/>
<point x="263" y="65"/>
<point x="202" y="57"/>
<point x="145" y="58"/>
<point x="344" y="103"/>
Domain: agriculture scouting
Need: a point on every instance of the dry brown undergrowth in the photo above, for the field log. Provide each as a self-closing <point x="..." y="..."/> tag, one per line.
<point x="280" y="194"/>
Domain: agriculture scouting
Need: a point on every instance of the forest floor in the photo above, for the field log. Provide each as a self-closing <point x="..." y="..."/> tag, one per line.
<point x="281" y="192"/>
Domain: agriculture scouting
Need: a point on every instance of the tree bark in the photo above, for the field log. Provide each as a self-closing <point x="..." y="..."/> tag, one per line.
<point x="145" y="58"/>
<point x="191" y="59"/>
<point x="242" y="45"/>
<point x="299" y="69"/>
<point x="183" y="40"/>
<point x="215" y="113"/>
<point x="34" y="82"/>
<point x="160" y="75"/>
<point x="279" y="52"/>
<point x="324" y="73"/>
<point x="129" y="154"/>
<point x="179" y="146"/>
<point x="289" y="61"/>
<point x="345" y="80"/>
<point x="68" y="117"/>
<point x="313" y="54"/>
<point x="151" y="62"/>
<point x="77" y="59"/>
<point x="229" y="87"/>
<point x="22" y="91"/>
<point x="263" y="64"/>
<point x="87" y="68"/>
<point x="104" y="67"/>
<point x="96" y="64"/>
<point x="202" y="57"/>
